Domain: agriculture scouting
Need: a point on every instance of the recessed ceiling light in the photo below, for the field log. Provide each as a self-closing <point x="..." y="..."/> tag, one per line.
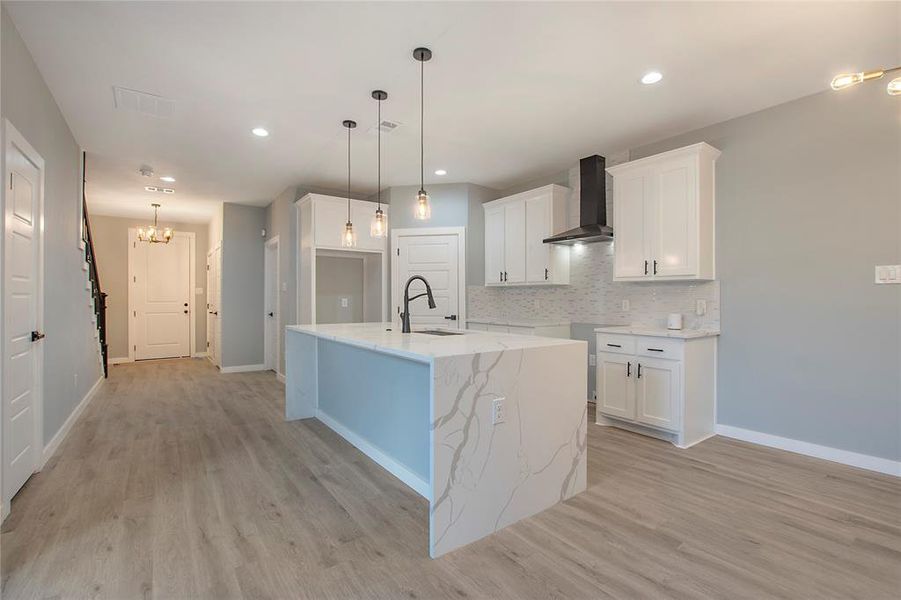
<point x="651" y="77"/>
<point x="440" y="172"/>
<point x="259" y="132"/>
<point x="167" y="179"/>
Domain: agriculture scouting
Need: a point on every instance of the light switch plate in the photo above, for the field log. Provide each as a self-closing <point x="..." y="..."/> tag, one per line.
<point x="887" y="274"/>
<point x="344" y="302"/>
<point x="701" y="308"/>
<point x="627" y="305"/>
<point x="592" y="360"/>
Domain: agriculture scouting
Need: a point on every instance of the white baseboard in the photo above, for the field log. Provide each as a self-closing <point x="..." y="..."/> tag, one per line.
<point x="420" y="486"/>
<point x="54" y="444"/>
<point x="120" y="360"/>
<point x="280" y="376"/>
<point x="199" y="355"/>
<point x="243" y="368"/>
<point x="846" y="457"/>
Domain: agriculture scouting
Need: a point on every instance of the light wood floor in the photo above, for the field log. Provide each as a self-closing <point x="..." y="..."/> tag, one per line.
<point x="179" y="482"/>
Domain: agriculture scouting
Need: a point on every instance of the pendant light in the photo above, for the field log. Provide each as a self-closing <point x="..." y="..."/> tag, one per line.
<point x="423" y="210"/>
<point x="846" y="80"/>
<point x="349" y="237"/>
<point x="379" y="226"/>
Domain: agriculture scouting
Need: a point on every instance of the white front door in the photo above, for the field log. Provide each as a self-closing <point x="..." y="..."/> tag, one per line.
<point x="160" y="297"/>
<point x="22" y="285"/>
<point x="271" y="304"/>
<point x="437" y="258"/>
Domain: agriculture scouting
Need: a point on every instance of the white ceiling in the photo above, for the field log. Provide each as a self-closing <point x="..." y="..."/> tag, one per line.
<point x="514" y="91"/>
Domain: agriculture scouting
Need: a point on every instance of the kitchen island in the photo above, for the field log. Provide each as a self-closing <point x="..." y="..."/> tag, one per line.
<point x="489" y="427"/>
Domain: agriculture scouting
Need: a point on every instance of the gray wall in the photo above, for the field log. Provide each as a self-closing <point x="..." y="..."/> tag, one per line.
<point x="111" y="244"/>
<point x="808" y="201"/>
<point x="337" y="278"/>
<point x="242" y="285"/>
<point x="70" y="349"/>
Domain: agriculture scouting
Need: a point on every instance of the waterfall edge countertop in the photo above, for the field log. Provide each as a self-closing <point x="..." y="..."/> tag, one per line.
<point x="422" y="347"/>
<point x="683" y="334"/>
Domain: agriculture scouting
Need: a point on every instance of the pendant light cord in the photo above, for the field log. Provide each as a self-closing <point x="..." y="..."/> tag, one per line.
<point x="421" y="125"/>
<point x="379" y="177"/>
<point x="348" y="174"/>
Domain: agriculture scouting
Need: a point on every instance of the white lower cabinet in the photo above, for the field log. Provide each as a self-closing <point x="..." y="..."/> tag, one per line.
<point x="662" y="387"/>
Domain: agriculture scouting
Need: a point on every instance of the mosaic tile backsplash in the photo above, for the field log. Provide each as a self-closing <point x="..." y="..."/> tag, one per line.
<point x="593" y="296"/>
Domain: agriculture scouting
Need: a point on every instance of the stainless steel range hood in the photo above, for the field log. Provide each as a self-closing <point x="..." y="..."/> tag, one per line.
<point x="592" y="206"/>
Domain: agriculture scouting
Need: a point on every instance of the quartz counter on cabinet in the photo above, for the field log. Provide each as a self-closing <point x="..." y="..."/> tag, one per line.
<point x="489" y="427"/>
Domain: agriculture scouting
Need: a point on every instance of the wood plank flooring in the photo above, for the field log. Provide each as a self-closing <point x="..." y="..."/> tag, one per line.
<point x="179" y="482"/>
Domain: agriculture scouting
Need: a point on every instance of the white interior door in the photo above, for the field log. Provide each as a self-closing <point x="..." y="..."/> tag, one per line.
<point x="437" y="258"/>
<point x="160" y="298"/>
<point x="22" y="352"/>
<point x="271" y="318"/>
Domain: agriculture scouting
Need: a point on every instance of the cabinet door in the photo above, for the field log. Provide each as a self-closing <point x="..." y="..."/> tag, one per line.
<point x="632" y="199"/>
<point x="616" y="392"/>
<point x="330" y="215"/>
<point x="657" y="389"/>
<point x="362" y="214"/>
<point x="538" y="227"/>
<point x="494" y="245"/>
<point x="515" y="242"/>
<point x="674" y="238"/>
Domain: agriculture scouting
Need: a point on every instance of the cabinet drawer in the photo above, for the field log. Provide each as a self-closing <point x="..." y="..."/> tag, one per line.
<point x="611" y="342"/>
<point x="660" y="347"/>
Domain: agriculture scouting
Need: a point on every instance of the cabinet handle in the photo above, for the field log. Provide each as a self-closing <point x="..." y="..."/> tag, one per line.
<point x="655" y="349"/>
<point x="628" y="369"/>
<point x="655" y="267"/>
<point x="639" y="370"/>
<point x="645" y="267"/>
<point x="505" y="276"/>
<point x="615" y="345"/>
<point x="500" y="276"/>
<point x="545" y="274"/>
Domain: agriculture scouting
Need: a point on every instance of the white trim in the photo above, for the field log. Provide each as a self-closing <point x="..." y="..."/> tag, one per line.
<point x="460" y="232"/>
<point x="243" y="368"/>
<point x="419" y="486"/>
<point x="273" y="361"/>
<point x="280" y="376"/>
<point x="54" y="444"/>
<point x="846" y="457"/>
<point x="12" y="138"/>
<point x="192" y="298"/>
<point x="120" y="360"/>
<point x="199" y="355"/>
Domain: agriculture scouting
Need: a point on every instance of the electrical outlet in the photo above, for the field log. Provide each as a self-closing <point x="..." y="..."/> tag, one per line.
<point x="701" y="308"/>
<point x="498" y="412"/>
<point x="627" y="305"/>
<point x="284" y="287"/>
<point x="344" y="302"/>
<point x="888" y="274"/>
<point x="592" y="360"/>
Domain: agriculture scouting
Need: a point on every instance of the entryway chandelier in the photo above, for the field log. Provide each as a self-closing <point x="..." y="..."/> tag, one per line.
<point x="152" y="233"/>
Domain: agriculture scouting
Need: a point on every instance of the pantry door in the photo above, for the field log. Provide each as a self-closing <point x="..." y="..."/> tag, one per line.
<point x="438" y="255"/>
<point x="160" y="297"/>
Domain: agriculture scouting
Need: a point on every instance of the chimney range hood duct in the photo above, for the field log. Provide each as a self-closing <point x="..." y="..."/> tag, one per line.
<point x="592" y="206"/>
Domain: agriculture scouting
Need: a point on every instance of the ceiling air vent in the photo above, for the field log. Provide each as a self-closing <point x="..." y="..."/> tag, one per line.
<point x="385" y="125"/>
<point x="142" y="102"/>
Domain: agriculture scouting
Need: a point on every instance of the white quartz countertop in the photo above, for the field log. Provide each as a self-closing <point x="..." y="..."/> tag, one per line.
<point x="684" y="334"/>
<point x="519" y="322"/>
<point x="424" y="347"/>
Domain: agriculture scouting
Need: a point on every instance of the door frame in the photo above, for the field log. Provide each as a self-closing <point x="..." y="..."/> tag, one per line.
<point x="12" y="138"/>
<point x="396" y="292"/>
<point x="192" y="268"/>
<point x="213" y="346"/>
<point x="267" y="343"/>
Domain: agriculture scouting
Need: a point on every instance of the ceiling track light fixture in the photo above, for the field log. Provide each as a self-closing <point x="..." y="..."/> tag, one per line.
<point x="349" y="237"/>
<point x="379" y="226"/>
<point x="423" y="209"/>
<point x="846" y="80"/>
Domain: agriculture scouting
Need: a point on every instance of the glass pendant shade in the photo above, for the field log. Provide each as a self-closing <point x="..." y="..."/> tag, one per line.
<point x="379" y="226"/>
<point x="349" y="238"/>
<point x="894" y="87"/>
<point x="423" y="210"/>
<point x="846" y="80"/>
<point x="151" y="233"/>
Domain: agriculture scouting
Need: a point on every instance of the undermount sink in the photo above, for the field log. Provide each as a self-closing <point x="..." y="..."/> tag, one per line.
<point x="439" y="332"/>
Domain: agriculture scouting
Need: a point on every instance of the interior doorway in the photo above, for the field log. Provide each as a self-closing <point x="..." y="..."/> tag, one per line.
<point x="439" y="255"/>
<point x="160" y="298"/>
<point x="23" y="285"/>
<point x="272" y="305"/>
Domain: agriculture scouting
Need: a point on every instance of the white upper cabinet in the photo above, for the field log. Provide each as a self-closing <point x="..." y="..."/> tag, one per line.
<point x="330" y="215"/>
<point x="663" y="210"/>
<point x="515" y="227"/>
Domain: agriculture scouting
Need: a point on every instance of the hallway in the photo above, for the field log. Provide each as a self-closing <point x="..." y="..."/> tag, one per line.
<point x="180" y="482"/>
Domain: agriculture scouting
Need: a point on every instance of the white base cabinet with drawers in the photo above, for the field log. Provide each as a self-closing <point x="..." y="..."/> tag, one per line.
<point x="658" y="386"/>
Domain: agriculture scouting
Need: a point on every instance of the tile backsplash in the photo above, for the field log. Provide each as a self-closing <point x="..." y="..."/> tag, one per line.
<point x="593" y="297"/>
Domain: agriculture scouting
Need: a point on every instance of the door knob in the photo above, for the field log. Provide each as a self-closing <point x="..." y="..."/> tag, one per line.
<point x="270" y="314"/>
<point x="451" y="318"/>
<point x="36" y="335"/>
